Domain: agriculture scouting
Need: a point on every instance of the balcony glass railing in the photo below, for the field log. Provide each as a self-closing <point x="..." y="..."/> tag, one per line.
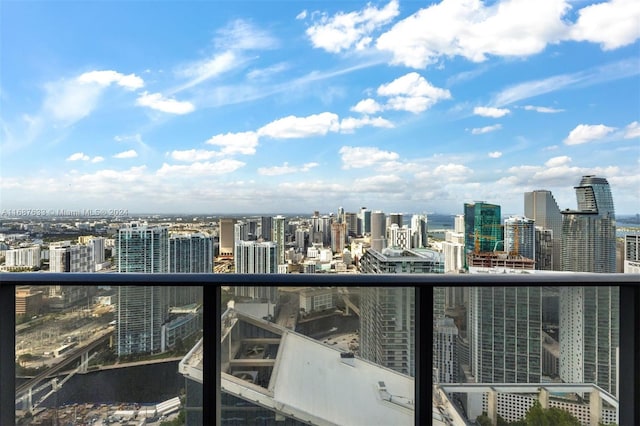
<point x="208" y="407"/>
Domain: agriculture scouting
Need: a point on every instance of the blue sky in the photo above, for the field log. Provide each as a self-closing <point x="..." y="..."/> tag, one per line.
<point x="295" y="106"/>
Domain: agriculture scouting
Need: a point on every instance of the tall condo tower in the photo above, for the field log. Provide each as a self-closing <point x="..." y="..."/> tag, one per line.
<point x="589" y="233"/>
<point x="277" y="236"/>
<point x="504" y="328"/>
<point x="191" y="253"/>
<point x="483" y="227"/>
<point x="141" y="311"/>
<point x="140" y="248"/>
<point x="540" y="206"/>
<point x="387" y="327"/>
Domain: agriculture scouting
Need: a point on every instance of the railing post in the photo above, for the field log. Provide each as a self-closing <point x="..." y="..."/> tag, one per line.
<point x="7" y="351"/>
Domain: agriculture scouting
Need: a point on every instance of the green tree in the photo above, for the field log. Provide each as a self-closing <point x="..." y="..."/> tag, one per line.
<point x="538" y="416"/>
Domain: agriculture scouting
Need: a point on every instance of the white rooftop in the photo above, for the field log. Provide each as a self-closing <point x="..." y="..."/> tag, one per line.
<point x="311" y="382"/>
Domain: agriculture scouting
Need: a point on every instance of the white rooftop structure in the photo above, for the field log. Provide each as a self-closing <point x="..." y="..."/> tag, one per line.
<point x="311" y="381"/>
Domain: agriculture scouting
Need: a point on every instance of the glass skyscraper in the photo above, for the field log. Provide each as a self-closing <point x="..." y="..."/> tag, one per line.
<point x="589" y="233"/>
<point x="140" y="248"/>
<point x="191" y="254"/>
<point x="483" y="227"/>
<point x="141" y="311"/>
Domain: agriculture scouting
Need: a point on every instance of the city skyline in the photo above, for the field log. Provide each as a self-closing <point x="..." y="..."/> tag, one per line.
<point x="243" y="106"/>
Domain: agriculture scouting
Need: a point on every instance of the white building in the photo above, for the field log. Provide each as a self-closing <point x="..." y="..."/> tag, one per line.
<point x="317" y="299"/>
<point x="632" y="254"/>
<point x="520" y="236"/>
<point x="23" y="257"/>
<point x="453" y="256"/>
<point x="64" y="257"/>
<point x="399" y="237"/>
<point x="253" y="257"/>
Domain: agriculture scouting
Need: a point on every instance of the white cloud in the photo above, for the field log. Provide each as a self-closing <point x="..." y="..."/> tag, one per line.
<point x="243" y="35"/>
<point x="584" y="133"/>
<point x="453" y="172"/>
<point x="236" y="143"/>
<point x="472" y="30"/>
<point x="105" y="78"/>
<point x="158" y="102"/>
<point x="367" y="106"/>
<point x="545" y="110"/>
<point x="613" y="24"/>
<point x="126" y="154"/>
<point x="412" y="93"/>
<point x="200" y="168"/>
<point x="205" y="69"/>
<point x="285" y="169"/>
<point x="344" y="31"/>
<point x="192" y="155"/>
<point x="632" y="130"/>
<point x="97" y="159"/>
<point x="495" y="154"/>
<point x="486" y="129"/>
<point x="301" y="15"/>
<point x="360" y="157"/>
<point x="349" y="124"/>
<point x="379" y="184"/>
<point x="596" y="75"/>
<point x="78" y="156"/>
<point x="558" y="161"/>
<point x="301" y="127"/>
<point x="265" y="73"/>
<point x="490" y="112"/>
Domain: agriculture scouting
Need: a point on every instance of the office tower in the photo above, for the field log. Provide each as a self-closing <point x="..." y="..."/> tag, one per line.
<point x="387" y="327"/>
<point x="65" y="257"/>
<point x="504" y="327"/>
<point x="589" y="335"/>
<point x="445" y="355"/>
<point x="632" y="254"/>
<point x="483" y="230"/>
<point x="277" y="236"/>
<point x="240" y="232"/>
<point x="226" y="236"/>
<point x="338" y="236"/>
<point x="544" y="249"/>
<point x="97" y="244"/>
<point x="140" y="248"/>
<point x="190" y="254"/>
<point x="253" y="257"/>
<point x="399" y="237"/>
<point x="453" y="257"/>
<point x="365" y="218"/>
<point x="396" y="218"/>
<point x="439" y="302"/>
<point x="340" y="218"/>
<point x="378" y="230"/>
<point x="263" y="293"/>
<point x="351" y="221"/>
<point x="541" y="206"/>
<point x="141" y="311"/>
<point x="265" y="227"/>
<point x="520" y="236"/>
<point x="419" y="231"/>
<point x="589" y="233"/>
<point x="458" y="224"/>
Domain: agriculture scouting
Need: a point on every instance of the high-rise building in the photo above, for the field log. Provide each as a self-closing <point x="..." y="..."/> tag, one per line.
<point x="262" y="293"/>
<point x="226" y="236"/>
<point x="277" y="236"/>
<point x="504" y="330"/>
<point x="483" y="227"/>
<point x="399" y="237"/>
<point x="453" y="256"/>
<point x="98" y="244"/>
<point x="396" y="218"/>
<point x="140" y="313"/>
<point x="240" y="231"/>
<point x="378" y="230"/>
<point x="445" y="359"/>
<point x="419" y="231"/>
<point x="338" y="236"/>
<point x="458" y="224"/>
<point x="632" y="254"/>
<point x="541" y="206"/>
<point x="589" y="335"/>
<point x="140" y="248"/>
<point x="387" y="327"/>
<point x="365" y="221"/>
<point x="520" y="236"/>
<point x="589" y="233"/>
<point x="544" y="249"/>
<point x="351" y="220"/>
<point x="265" y="227"/>
<point x="23" y="257"/>
<point x="253" y="257"/>
<point x="190" y="254"/>
<point x="67" y="257"/>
